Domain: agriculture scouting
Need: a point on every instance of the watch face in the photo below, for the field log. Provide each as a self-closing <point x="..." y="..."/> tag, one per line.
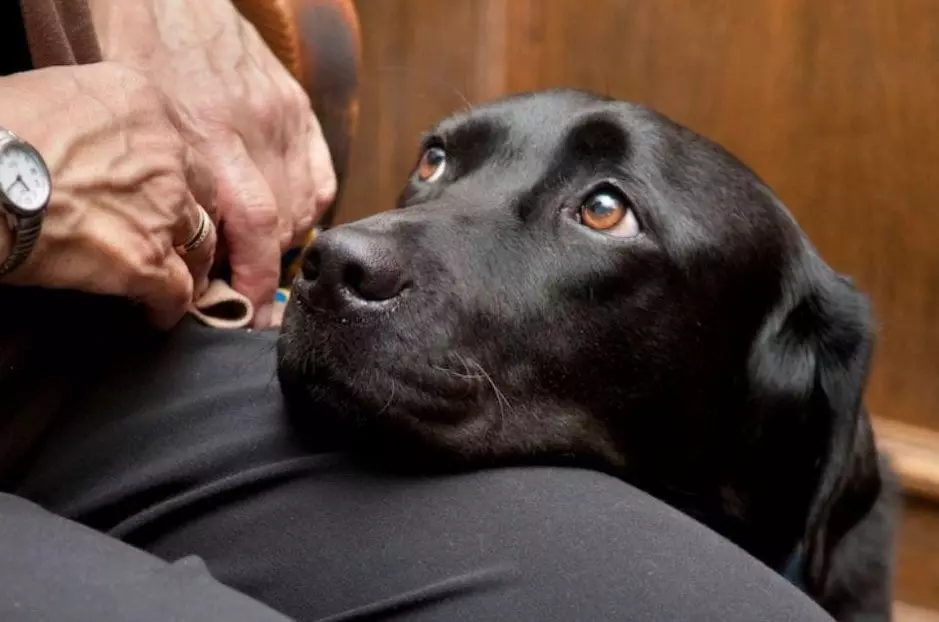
<point x="24" y="179"/>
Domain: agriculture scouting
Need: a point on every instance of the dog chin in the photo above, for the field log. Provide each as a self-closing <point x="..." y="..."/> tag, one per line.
<point x="410" y="401"/>
<point x="431" y="405"/>
<point x="403" y="435"/>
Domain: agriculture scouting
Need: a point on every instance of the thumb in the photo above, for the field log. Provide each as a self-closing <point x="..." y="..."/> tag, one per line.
<point x="167" y="298"/>
<point x="250" y="226"/>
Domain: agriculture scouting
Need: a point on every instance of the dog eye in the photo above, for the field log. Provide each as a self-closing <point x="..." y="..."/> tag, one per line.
<point x="608" y="212"/>
<point x="432" y="164"/>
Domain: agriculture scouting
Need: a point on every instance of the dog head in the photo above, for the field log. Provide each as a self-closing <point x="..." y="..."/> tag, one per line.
<point x="573" y="279"/>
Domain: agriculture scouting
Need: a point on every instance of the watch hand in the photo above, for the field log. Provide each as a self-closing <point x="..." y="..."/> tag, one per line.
<point x="18" y="180"/>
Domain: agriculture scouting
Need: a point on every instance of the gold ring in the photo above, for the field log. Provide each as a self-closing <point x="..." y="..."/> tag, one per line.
<point x="199" y="236"/>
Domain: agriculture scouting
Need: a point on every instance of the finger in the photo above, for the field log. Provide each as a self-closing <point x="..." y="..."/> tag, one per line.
<point x="194" y="239"/>
<point x="202" y="188"/>
<point x="250" y="230"/>
<point x="312" y="163"/>
<point x="167" y="298"/>
<point x="323" y="172"/>
<point x="200" y="259"/>
<point x="280" y="175"/>
<point x="202" y="183"/>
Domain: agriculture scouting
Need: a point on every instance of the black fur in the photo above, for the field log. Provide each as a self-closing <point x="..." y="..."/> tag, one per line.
<point x="714" y="360"/>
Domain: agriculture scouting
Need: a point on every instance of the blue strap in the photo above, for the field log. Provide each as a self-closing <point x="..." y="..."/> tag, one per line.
<point x="793" y="569"/>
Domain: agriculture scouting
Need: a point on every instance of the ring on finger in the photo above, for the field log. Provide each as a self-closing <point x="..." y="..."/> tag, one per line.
<point x="199" y="236"/>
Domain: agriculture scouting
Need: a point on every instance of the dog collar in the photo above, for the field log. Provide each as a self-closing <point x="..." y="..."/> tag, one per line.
<point x="793" y="568"/>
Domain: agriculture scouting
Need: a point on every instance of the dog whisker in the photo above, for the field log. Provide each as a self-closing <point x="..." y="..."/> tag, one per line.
<point x="456" y="374"/>
<point x="500" y="396"/>
<point x="466" y="368"/>
<point x="391" y="398"/>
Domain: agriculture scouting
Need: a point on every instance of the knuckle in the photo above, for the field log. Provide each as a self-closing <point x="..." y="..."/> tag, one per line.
<point x="304" y="207"/>
<point x="182" y="293"/>
<point x="175" y="191"/>
<point x="168" y="192"/>
<point x="263" y="217"/>
<point x="147" y="258"/>
<point x="142" y="92"/>
<point x="175" y="287"/>
<point x="314" y="127"/>
<point x="327" y="188"/>
<point x="303" y="223"/>
<point x="128" y="77"/>
<point x="266" y="109"/>
<point x="323" y="202"/>
<point x="258" y="274"/>
<point x="297" y="98"/>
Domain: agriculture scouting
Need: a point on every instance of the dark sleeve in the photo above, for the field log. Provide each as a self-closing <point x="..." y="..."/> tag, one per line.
<point x="59" y="32"/>
<point x="14" y="51"/>
<point x="53" y="345"/>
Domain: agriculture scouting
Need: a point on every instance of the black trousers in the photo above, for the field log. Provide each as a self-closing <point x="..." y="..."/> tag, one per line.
<point x="176" y="490"/>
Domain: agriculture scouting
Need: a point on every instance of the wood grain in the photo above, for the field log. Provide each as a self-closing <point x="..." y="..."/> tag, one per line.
<point x="421" y="60"/>
<point x="833" y="103"/>
<point x="917" y="564"/>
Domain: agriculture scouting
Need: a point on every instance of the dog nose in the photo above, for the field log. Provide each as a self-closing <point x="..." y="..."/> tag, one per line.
<point x="354" y="264"/>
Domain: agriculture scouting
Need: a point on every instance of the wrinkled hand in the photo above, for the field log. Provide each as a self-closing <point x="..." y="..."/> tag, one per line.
<point x="243" y="111"/>
<point x="126" y="187"/>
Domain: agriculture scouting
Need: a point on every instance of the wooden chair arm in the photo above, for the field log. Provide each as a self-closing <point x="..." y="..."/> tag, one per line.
<point x="914" y="453"/>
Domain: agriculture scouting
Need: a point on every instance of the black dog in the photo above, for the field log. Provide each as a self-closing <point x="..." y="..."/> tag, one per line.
<point x="572" y="279"/>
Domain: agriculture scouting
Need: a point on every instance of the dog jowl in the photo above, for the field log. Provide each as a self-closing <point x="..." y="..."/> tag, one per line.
<point x="575" y="280"/>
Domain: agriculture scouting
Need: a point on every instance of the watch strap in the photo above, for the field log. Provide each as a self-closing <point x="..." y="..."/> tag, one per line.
<point x="25" y="233"/>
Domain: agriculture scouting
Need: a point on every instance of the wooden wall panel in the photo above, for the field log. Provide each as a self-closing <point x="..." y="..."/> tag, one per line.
<point x="419" y="63"/>
<point x="834" y="103"/>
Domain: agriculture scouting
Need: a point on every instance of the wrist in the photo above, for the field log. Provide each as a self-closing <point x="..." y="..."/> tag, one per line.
<point x="128" y="32"/>
<point x="6" y="241"/>
<point x="27" y="101"/>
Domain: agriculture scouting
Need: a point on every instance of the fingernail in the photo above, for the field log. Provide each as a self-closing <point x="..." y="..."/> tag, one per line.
<point x="262" y="319"/>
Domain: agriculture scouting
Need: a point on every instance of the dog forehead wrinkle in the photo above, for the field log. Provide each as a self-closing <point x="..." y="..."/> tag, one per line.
<point x="476" y="142"/>
<point x="595" y="136"/>
<point x="533" y="122"/>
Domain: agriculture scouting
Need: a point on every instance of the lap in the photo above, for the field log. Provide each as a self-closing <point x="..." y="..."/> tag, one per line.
<point x="186" y="451"/>
<point x="55" y="569"/>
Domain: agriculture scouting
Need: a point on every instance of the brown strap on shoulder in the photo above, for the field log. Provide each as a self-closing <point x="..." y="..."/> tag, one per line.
<point x="60" y="32"/>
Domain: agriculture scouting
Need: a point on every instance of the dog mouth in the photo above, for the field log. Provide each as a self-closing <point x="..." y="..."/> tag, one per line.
<point x="442" y="390"/>
<point x="451" y="375"/>
<point x="375" y="371"/>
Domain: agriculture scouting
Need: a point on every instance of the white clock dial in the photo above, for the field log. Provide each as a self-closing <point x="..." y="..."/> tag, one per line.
<point x="24" y="178"/>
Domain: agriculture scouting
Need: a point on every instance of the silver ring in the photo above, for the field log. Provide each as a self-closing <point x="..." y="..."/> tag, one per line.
<point x="199" y="236"/>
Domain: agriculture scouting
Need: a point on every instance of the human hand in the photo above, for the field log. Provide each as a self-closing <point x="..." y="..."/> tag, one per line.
<point x="244" y="112"/>
<point x="127" y="188"/>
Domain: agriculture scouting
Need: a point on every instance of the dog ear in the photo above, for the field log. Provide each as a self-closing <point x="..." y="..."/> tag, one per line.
<point x="809" y="367"/>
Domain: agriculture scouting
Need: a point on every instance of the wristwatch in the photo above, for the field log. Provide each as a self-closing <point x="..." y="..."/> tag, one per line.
<point x="25" y="188"/>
